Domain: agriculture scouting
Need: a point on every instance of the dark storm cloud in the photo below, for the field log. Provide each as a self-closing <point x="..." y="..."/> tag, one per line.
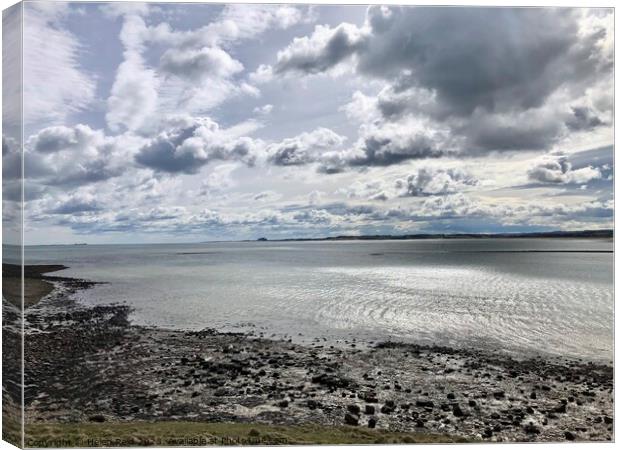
<point x="493" y="133"/>
<point x="485" y="74"/>
<point x="583" y="118"/>
<point x="494" y="58"/>
<point x="383" y="150"/>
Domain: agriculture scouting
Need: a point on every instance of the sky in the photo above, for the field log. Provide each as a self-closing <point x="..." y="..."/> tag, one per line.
<point x="194" y="122"/>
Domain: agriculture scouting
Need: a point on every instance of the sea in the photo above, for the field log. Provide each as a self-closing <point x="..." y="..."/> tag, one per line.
<point x="521" y="296"/>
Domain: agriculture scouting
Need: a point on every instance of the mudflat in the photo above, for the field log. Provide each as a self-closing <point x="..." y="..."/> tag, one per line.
<point x="35" y="285"/>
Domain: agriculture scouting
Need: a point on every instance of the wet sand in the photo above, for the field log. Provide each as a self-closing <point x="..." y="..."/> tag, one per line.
<point x="148" y="374"/>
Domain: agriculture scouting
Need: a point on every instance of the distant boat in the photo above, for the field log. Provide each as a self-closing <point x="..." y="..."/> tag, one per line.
<point x="80" y="243"/>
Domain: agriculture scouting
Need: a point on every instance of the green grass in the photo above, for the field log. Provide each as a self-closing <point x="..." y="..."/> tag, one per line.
<point x="201" y="434"/>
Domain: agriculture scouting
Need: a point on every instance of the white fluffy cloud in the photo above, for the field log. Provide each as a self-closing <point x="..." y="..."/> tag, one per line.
<point x="195" y="72"/>
<point x="435" y="181"/>
<point x="305" y="148"/>
<point x="555" y="168"/>
<point x="74" y="156"/>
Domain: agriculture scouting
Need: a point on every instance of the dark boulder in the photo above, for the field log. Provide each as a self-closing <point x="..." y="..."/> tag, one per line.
<point x="351" y="419"/>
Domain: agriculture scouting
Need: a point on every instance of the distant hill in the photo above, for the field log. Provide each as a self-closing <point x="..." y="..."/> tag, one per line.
<point x="545" y="234"/>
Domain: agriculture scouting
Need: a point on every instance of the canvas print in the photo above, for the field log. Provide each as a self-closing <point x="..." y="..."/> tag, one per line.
<point x="272" y="224"/>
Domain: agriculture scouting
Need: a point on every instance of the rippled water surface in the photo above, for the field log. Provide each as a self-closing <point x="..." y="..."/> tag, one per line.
<point x="523" y="295"/>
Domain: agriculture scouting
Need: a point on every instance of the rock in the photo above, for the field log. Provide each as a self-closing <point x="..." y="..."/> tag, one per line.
<point x="530" y="428"/>
<point x="331" y="381"/>
<point x="487" y="433"/>
<point x="424" y="404"/>
<point x="354" y="409"/>
<point x="472" y="403"/>
<point x="372" y="422"/>
<point x="283" y="404"/>
<point x="97" y="418"/>
<point x="608" y="420"/>
<point x="569" y="436"/>
<point x="533" y="395"/>
<point x="312" y="404"/>
<point x="561" y="409"/>
<point x="457" y="411"/>
<point x="385" y="409"/>
<point x="419" y="423"/>
<point x="370" y="410"/>
<point x="368" y="397"/>
<point x="451" y="396"/>
<point x="351" y="419"/>
<point x="499" y="395"/>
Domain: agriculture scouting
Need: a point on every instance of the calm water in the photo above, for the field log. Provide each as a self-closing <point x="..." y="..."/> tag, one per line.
<point x="487" y="293"/>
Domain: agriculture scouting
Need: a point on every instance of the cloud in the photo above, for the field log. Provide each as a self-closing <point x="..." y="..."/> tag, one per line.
<point x="263" y="110"/>
<point x="187" y="148"/>
<point x="304" y="148"/>
<point x="502" y="88"/>
<point x="196" y="71"/>
<point x="555" y="168"/>
<point x="51" y="52"/>
<point x="321" y="51"/>
<point x="218" y="180"/>
<point x="533" y="129"/>
<point x="435" y="181"/>
<point x="391" y="144"/>
<point x="73" y="156"/>
<point x="252" y="20"/>
<point x="421" y="182"/>
<point x="55" y="139"/>
<point x="76" y="204"/>
<point x="511" y="59"/>
<point x="134" y="96"/>
<point x="371" y="190"/>
<point x="267" y="196"/>
<point x="583" y="118"/>
<point x="199" y="64"/>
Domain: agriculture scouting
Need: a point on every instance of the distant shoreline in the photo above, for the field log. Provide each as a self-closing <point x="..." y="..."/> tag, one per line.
<point x="599" y="234"/>
<point x="591" y="234"/>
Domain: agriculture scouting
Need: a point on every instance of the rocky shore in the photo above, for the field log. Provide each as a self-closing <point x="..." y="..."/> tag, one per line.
<point x="91" y="365"/>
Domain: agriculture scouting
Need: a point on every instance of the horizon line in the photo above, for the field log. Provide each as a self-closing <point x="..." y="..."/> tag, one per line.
<point x="366" y="237"/>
